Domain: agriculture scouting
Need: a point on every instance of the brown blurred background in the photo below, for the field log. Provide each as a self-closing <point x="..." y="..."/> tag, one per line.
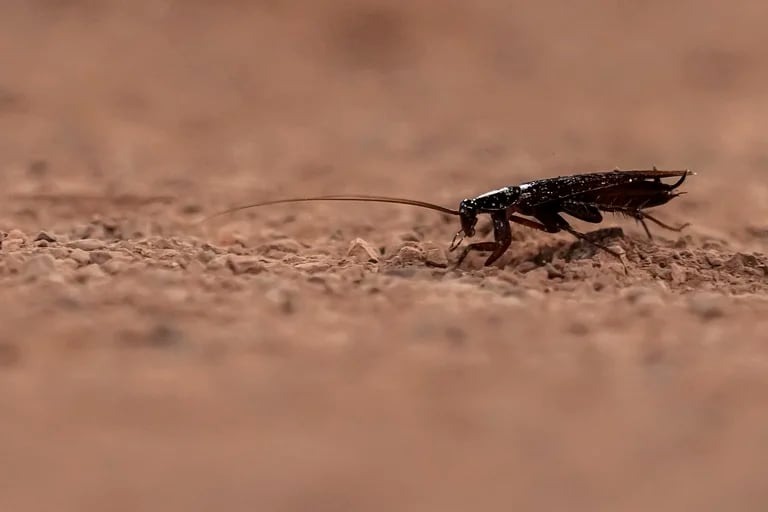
<point x="364" y="95"/>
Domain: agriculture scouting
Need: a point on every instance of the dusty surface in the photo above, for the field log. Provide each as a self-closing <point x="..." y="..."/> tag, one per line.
<point x="256" y="363"/>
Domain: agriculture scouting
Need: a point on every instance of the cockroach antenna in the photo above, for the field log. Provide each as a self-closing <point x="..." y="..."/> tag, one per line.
<point x="349" y="197"/>
<point x="582" y="196"/>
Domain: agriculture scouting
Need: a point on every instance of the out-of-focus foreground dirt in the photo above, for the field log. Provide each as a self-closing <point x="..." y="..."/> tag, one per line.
<point x="148" y="362"/>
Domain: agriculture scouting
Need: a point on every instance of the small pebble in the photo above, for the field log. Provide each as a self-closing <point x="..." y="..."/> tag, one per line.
<point x="312" y="267"/>
<point x="100" y="257"/>
<point x="677" y="273"/>
<point x="408" y="255"/>
<point x="435" y="256"/>
<point x="245" y="264"/>
<point x="218" y="263"/>
<point x="80" y="256"/>
<point x="60" y="252"/>
<point x="12" y="244"/>
<point x="45" y="237"/>
<point x="287" y="245"/>
<point x="15" y="234"/>
<point x="87" y="244"/>
<point x="362" y="252"/>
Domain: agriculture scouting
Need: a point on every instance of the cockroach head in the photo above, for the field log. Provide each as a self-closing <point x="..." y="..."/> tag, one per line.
<point x="468" y="219"/>
<point x="468" y="216"/>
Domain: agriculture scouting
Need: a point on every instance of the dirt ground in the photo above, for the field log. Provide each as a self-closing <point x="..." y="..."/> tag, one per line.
<point x="268" y="360"/>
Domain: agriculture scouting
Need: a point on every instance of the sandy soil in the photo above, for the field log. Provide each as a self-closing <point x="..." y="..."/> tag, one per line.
<point x="148" y="362"/>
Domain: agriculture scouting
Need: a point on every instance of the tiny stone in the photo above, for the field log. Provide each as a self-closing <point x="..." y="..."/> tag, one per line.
<point x="205" y="256"/>
<point x="741" y="260"/>
<point x="245" y="264"/>
<point x="435" y="257"/>
<point x="100" y="257"/>
<point x="218" y="263"/>
<point x="15" y="234"/>
<point x="408" y="255"/>
<point x="283" y="245"/>
<point x="706" y="305"/>
<point x="312" y="267"/>
<point x="12" y="244"/>
<point x="60" y="252"/>
<point x="45" y="237"/>
<point x="362" y="252"/>
<point x="87" y="244"/>
<point x="80" y="256"/>
<point x="677" y="273"/>
<point x="714" y="261"/>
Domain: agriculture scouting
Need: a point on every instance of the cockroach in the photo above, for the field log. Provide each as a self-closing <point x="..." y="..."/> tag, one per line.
<point x="582" y="196"/>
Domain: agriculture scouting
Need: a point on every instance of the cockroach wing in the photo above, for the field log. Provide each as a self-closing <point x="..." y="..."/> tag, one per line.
<point x="604" y="190"/>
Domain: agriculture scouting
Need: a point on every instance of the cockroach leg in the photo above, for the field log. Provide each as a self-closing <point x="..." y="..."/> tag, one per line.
<point x="662" y="224"/>
<point x="582" y="236"/>
<point x="533" y="224"/>
<point x="502" y="234"/>
<point x="478" y="246"/>
<point x="640" y="218"/>
<point x="554" y="220"/>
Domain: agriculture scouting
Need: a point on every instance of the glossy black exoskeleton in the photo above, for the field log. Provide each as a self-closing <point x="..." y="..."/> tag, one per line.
<point x="582" y="196"/>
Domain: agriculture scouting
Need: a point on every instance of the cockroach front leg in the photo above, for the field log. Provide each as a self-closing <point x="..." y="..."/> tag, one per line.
<point x="502" y="235"/>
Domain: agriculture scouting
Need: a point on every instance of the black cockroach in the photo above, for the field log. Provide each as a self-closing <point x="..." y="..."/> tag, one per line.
<point x="582" y="196"/>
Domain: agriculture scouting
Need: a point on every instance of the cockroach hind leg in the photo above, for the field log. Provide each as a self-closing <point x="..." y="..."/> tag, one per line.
<point x="664" y="225"/>
<point x="587" y="239"/>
